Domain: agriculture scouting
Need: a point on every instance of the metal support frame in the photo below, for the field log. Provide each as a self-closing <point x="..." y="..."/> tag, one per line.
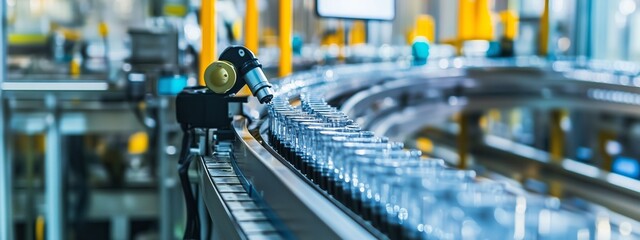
<point x="53" y="173"/>
<point x="463" y="141"/>
<point x="120" y="227"/>
<point x="557" y="136"/>
<point x="6" y="218"/>
<point x="165" y="218"/>
<point x="598" y="13"/>
<point x="583" y="28"/>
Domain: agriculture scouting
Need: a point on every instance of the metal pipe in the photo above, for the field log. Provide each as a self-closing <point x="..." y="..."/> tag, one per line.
<point x="53" y="174"/>
<point x="164" y="173"/>
<point x="6" y="218"/>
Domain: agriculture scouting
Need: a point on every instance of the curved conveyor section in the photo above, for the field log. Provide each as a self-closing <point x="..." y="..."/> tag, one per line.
<point x="319" y="166"/>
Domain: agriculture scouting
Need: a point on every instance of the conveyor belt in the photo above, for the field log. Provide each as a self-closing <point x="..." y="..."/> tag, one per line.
<point x="224" y="194"/>
<point x="305" y="209"/>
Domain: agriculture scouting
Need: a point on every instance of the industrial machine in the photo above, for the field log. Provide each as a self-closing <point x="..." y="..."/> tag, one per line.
<point x="287" y="172"/>
<point x="208" y="109"/>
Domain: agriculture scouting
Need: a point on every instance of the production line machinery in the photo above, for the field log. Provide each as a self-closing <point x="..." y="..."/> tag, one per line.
<point x="254" y="184"/>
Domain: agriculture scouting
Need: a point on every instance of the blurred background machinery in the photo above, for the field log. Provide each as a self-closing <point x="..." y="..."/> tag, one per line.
<point x="542" y="94"/>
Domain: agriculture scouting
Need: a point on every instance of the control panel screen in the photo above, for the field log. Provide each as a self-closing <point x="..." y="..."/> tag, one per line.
<point x="384" y="10"/>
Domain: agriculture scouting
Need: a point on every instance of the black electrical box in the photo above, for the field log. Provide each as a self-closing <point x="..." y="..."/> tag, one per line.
<point x="199" y="107"/>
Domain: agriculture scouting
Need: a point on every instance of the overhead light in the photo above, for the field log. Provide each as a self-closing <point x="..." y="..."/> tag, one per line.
<point x="55" y="86"/>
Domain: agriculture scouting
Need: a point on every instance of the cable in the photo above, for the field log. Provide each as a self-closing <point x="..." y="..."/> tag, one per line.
<point x="192" y="229"/>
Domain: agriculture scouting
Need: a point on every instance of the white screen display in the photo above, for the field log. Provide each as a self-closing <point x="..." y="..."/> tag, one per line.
<point x="357" y="9"/>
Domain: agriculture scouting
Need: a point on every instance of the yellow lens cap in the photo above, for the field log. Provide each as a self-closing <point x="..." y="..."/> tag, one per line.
<point x="220" y="76"/>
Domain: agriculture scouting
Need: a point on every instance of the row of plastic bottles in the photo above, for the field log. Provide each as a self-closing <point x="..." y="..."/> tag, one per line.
<point x="403" y="194"/>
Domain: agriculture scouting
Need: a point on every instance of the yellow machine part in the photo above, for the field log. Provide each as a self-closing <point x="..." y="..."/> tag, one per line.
<point x="138" y="143"/>
<point x="103" y="29"/>
<point x="424" y="144"/>
<point x="174" y="9"/>
<point x="27" y="39"/>
<point x="220" y="76"/>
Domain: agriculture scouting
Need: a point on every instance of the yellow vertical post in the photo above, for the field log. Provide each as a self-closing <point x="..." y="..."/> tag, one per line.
<point x="358" y="33"/>
<point x="484" y="25"/>
<point x="543" y="44"/>
<point x="509" y="19"/>
<point x="556" y="145"/>
<point x="466" y="19"/>
<point x="208" y="21"/>
<point x="463" y="141"/>
<point x="251" y="26"/>
<point x="286" y="28"/>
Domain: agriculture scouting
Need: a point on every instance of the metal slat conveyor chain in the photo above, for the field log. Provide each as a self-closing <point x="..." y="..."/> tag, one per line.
<point x="245" y="215"/>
